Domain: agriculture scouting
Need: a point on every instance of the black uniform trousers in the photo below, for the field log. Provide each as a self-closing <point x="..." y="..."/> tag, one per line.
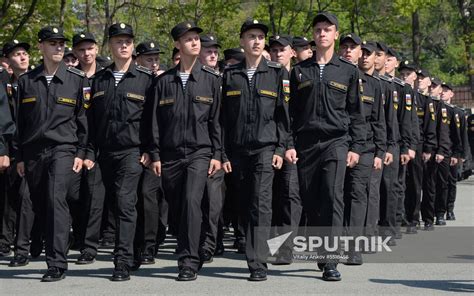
<point x="452" y="180"/>
<point x="212" y="205"/>
<point x="373" y="203"/>
<point x="148" y="213"/>
<point x="356" y="192"/>
<point x="10" y="200"/>
<point x="121" y="171"/>
<point x="49" y="175"/>
<point x="321" y="173"/>
<point x="414" y="184"/>
<point x="429" y="191"/>
<point x="287" y="205"/>
<point x="400" y="188"/>
<point x="442" y="188"/>
<point x="252" y="176"/>
<point x="94" y="209"/>
<point x="389" y="196"/>
<point x="184" y="180"/>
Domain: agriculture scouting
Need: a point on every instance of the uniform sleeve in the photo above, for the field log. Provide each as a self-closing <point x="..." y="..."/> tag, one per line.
<point x="404" y="123"/>
<point x="7" y="127"/>
<point x="391" y="121"/>
<point x="292" y="107"/>
<point x="214" y="124"/>
<point x="146" y="126"/>
<point x="455" y="133"/>
<point x="415" y="123"/>
<point x="154" y="150"/>
<point x="465" y="138"/>
<point x="444" y="141"/>
<point x="19" y="123"/>
<point x="357" y="127"/>
<point x="281" y="116"/>
<point x="429" y="128"/>
<point x="378" y="124"/>
<point x="91" y="141"/>
<point x="81" y="122"/>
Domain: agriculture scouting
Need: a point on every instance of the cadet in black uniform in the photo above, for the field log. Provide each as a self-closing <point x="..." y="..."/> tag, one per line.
<point x="329" y="130"/>
<point x="442" y="151"/>
<point x="426" y="145"/>
<point x="357" y="182"/>
<point x="150" y="190"/>
<point x="120" y="94"/>
<point x="302" y="48"/>
<point x="187" y="140"/>
<point x="52" y="133"/>
<point x="7" y="129"/>
<point x="256" y="127"/>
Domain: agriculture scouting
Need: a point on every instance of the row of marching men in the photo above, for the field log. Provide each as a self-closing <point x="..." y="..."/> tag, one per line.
<point x="364" y="145"/>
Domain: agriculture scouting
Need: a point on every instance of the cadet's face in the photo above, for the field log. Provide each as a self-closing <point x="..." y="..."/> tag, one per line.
<point x="121" y="47"/>
<point x="390" y="64"/>
<point x="367" y="61"/>
<point x="350" y="51"/>
<point x="52" y="50"/>
<point x="70" y="61"/>
<point x="150" y="61"/>
<point x="253" y="42"/>
<point x="19" y="59"/>
<point x="435" y="90"/>
<point x="325" y="34"/>
<point x="408" y="75"/>
<point x="86" y="52"/>
<point x="423" y="82"/>
<point x="446" y="94"/>
<point x="281" y="54"/>
<point x="303" y="53"/>
<point x="189" y="44"/>
<point x="209" y="56"/>
<point x="380" y="59"/>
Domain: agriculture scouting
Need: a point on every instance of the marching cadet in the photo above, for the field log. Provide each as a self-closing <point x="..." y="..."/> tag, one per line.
<point x="233" y="56"/>
<point x="187" y="140"/>
<point x="213" y="200"/>
<point x="148" y="56"/>
<point x="302" y="48"/>
<point x="175" y="56"/>
<point x="460" y="127"/>
<point x="442" y="151"/>
<point x="69" y="58"/>
<point x="121" y="98"/>
<point x="408" y="127"/>
<point x="256" y="125"/>
<point x="382" y="202"/>
<point x="286" y="197"/>
<point x="357" y="180"/>
<point x="85" y="49"/>
<point x="426" y="145"/>
<point x="52" y="133"/>
<point x="150" y="195"/>
<point x="329" y="130"/>
<point x="17" y="212"/>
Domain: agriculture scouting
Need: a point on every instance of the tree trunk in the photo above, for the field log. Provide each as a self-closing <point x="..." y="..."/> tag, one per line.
<point x="271" y="13"/>
<point x="25" y="18"/>
<point x="88" y="15"/>
<point x="61" y="13"/>
<point x="463" y="6"/>
<point x="108" y="22"/>
<point x="416" y="37"/>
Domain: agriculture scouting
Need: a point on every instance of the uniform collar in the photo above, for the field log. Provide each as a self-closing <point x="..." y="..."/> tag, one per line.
<point x="60" y="72"/>
<point x="132" y="69"/>
<point x="334" y="59"/>
<point x="195" y="71"/>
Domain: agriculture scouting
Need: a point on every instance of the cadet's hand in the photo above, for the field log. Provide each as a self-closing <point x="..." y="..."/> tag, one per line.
<point x="88" y="164"/>
<point x="352" y="159"/>
<point x="156" y="168"/>
<point x="20" y="169"/>
<point x="411" y="153"/>
<point x="145" y="160"/>
<point x="277" y="162"/>
<point x="377" y="163"/>
<point x="77" y="165"/>
<point x="404" y="159"/>
<point x="214" y="166"/>
<point x="388" y="159"/>
<point x="439" y="158"/>
<point x="4" y="162"/>
<point x="290" y="156"/>
<point x="426" y="156"/>
<point x="227" y="167"/>
<point x="454" y="161"/>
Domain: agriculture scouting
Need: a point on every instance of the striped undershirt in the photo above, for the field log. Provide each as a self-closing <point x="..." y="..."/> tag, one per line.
<point x="184" y="78"/>
<point x="118" y="76"/>
<point x="250" y="73"/>
<point x="49" y="78"/>
<point x="321" y="70"/>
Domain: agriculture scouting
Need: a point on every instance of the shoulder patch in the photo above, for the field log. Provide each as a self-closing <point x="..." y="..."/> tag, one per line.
<point x="144" y="70"/>
<point x="385" y="78"/>
<point x="398" y="81"/>
<point x="273" y="64"/>
<point x="76" y="71"/>
<point x="211" y="70"/>
<point x="347" y="61"/>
